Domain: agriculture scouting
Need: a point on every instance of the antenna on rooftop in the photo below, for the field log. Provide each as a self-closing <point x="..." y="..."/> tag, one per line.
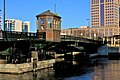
<point x="55" y="8"/>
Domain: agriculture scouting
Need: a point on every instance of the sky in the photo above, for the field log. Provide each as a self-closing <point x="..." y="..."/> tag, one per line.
<point x="73" y="12"/>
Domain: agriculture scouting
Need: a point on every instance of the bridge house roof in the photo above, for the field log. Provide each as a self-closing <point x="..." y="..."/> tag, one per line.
<point x="48" y="13"/>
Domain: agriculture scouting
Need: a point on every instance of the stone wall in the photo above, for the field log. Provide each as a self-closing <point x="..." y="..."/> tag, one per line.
<point x="114" y="49"/>
<point x="103" y="50"/>
<point x="45" y="63"/>
<point x="25" y="67"/>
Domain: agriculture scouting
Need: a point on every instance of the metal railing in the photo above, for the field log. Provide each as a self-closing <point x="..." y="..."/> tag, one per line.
<point x="78" y="39"/>
<point x="13" y="35"/>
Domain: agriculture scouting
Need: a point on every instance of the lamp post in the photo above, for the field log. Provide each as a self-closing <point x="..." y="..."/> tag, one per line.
<point x="0" y="19"/>
<point x="89" y="28"/>
<point x="81" y="34"/>
<point x="70" y="33"/>
<point x="4" y="16"/>
<point x="94" y="36"/>
<point x="88" y="22"/>
<point x="5" y="35"/>
<point x="1" y="27"/>
<point x="0" y="22"/>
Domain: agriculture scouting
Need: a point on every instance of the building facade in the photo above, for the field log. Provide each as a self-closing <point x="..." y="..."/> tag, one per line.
<point x="105" y="16"/>
<point x="17" y="25"/>
<point x="92" y="33"/>
<point x="105" y="13"/>
<point x="105" y="20"/>
<point x="49" y="24"/>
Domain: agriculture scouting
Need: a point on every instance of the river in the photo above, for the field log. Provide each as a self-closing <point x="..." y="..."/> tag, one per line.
<point x="104" y="70"/>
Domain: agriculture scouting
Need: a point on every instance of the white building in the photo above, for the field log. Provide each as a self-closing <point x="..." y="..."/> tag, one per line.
<point x="17" y="25"/>
<point x="83" y="26"/>
<point x="26" y="26"/>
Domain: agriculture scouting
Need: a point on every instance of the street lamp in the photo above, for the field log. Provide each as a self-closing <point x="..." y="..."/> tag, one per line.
<point x="81" y="34"/>
<point x="0" y="22"/>
<point x="94" y="35"/>
<point x="1" y="27"/>
<point x="70" y="33"/>
<point x="5" y="34"/>
<point x="4" y="16"/>
<point x="88" y="22"/>
<point x="89" y="28"/>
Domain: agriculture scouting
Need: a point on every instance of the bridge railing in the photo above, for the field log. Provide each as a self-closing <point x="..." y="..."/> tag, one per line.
<point x="14" y="35"/>
<point x="79" y="39"/>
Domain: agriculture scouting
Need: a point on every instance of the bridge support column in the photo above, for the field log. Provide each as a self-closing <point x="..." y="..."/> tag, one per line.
<point x="14" y="56"/>
<point x="111" y="41"/>
<point x="114" y="41"/>
<point x="34" y="59"/>
<point x="69" y="56"/>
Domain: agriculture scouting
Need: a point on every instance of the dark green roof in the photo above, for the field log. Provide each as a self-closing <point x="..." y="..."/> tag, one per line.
<point x="48" y="13"/>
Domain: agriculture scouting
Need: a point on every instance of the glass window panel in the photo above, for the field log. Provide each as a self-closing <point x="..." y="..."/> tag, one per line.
<point x="25" y="28"/>
<point x="49" y="22"/>
<point x="42" y="20"/>
<point x="101" y="1"/>
<point x="54" y="24"/>
<point x="102" y="14"/>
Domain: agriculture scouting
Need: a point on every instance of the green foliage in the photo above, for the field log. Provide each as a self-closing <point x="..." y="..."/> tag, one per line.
<point x="6" y="52"/>
<point x="39" y="46"/>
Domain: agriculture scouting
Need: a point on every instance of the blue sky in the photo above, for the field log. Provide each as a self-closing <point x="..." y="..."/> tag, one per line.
<point x="73" y="12"/>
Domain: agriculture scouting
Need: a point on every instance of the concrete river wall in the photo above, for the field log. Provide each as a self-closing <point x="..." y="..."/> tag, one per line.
<point x="25" y="67"/>
<point x="106" y="50"/>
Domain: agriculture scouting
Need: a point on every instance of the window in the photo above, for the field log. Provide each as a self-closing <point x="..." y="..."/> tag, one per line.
<point x="102" y="14"/>
<point x="49" y="22"/>
<point x="25" y="28"/>
<point x="10" y="27"/>
<point x="101" y="1"/>
<point x="54" y="24"/>
<point x="42" y="20"/>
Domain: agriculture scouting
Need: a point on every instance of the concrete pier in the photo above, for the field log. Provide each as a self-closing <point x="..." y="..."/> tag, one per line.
<point x="25" y="67"/>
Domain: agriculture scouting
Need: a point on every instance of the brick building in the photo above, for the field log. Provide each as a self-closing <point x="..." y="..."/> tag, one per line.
<point x="49" y="24"/>
<point x="105" y="20"/>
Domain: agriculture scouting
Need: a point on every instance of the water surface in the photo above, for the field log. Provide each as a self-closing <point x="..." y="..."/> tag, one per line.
<point x="104" y="70"/>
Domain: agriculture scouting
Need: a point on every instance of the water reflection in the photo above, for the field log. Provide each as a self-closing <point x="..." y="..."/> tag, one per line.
<point x="46" y="74"/>
<point x="105" y="70"/>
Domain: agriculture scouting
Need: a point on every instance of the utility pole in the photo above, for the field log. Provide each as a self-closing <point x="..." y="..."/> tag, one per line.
<point x="1" y="37"/>
<point x="5" y="34"/>
<point x="0" y="19"/>
<point x="89" y="32"/>
<point x="4" y="16"/>
<point x="0" y="22"/>
<point x="55" y="8"/>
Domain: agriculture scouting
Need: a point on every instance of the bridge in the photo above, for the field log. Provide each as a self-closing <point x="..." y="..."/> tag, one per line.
<point x="20" y="44"/>
<point x="11" y="37"/>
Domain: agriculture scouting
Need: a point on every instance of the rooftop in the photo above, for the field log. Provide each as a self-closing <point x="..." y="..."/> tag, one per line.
<point x="48" y="13"/>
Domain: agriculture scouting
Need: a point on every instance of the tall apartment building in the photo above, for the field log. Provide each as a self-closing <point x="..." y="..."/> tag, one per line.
<point x="105" y="13"/>
<point x="105" y="20"/>
<point x="105" y="16"/>
<point x="17" y="25"/>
